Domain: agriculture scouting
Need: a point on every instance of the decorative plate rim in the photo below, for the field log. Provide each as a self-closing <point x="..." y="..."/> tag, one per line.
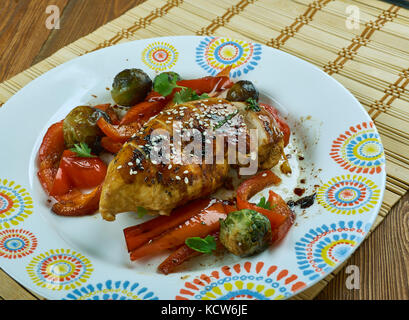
<point x="68" y="266"/>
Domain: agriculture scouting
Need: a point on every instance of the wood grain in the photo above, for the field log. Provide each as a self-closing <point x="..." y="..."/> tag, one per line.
<point x="11" y="290"/>
<point x="81" y="18"/>
<point x="383" y="259"/>
<point x="22" y="33"/>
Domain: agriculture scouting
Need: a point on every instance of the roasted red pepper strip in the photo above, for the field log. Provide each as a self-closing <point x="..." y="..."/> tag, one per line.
<point x="118" y="133"/>
<point x="254" y="185"/>
<point x="103" y="107"/>
<point x="77" y="172"/>
<point x="111" y="145"/>
<point x="110" y="112"/>
<point x="62" y="183"/>
<point x="200" y="225"/>
<point x="182" y="254"/>
<point x="176" y="258"/>
<point x="78" y="204"/>
<point x="207" y="84"/>
<point x="225" y="72"/>
<point x="143" y="111"/>
<point x="83" y="172"/>
<point x="46" y="177"/>
<point x="282" y="124"/>
<point x="229" y="207"/>
<point x="279" y="206"/>
<point x="49" y="155"/>
<point x="140" y="234"/>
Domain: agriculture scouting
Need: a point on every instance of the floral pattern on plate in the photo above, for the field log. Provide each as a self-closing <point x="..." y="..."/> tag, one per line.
<point x="16" y="204"/>
<point x="348" y="194"/>
<point x="359" y="149"/>
<point x="215" y="54"/>
<point x="60" y="269"/>
<point x="321" y="249"/>
<point x="249" y="280"/>
<point x="112" y="290"/>
<point x="16" y="244"/>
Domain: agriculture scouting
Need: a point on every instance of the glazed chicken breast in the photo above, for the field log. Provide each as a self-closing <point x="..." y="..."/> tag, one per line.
<point x="136" y="178"/>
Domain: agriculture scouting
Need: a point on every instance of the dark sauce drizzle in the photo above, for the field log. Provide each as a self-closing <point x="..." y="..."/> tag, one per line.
<point x="304" y="202"/>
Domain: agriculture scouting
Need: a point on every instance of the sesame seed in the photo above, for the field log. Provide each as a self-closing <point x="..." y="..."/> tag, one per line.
<point x="177" y="178"/>
<point x="186" y="171"/>
<point x="186" y="180"/>
<point x="119" y="167"/>
<point x="264" y="175"/>
<point x="130" y="163"/>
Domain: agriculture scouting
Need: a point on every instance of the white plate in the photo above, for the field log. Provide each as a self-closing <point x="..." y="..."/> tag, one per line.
<point x="79" y="258"/>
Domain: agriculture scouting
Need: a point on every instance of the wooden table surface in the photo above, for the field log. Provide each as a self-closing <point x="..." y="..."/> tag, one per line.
<point x="383" y="259"/>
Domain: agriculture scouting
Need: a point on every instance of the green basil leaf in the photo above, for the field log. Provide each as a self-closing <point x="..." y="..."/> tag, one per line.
<point x="206" y="245"/>
<point x="164" y="84"/>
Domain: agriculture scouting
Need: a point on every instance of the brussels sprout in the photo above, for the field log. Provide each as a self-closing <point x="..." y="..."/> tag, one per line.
<point x="80" y="125"/>
<point x="242" y="90"/>
<point x="130" y="87"/>
<point x="245" y="232"/>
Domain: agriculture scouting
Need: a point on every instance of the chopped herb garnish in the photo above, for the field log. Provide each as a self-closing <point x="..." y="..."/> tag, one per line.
<point x="164" y="85"/>
<point x="82" y="150"/>
<point x="253" y="105"/>
<point x="263" y="203"/>
<point x="206" y="245"/>
<point x="188" y="94"/>
<point x="141" y="211"/>
<point x="225" y="120"/>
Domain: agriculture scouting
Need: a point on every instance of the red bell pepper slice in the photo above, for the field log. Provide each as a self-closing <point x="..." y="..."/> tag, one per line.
<point x="110" y="145"/>
<point x="181" y="255"/>
<point x="282" y="124"/>
<point x="116" y="132"/>
<point x="109" y="112"/>
<point x="140" y="234"/>
<point x="62" y="183"/>
<point x="200" y="225"/>
<point x="83" y="172"/>
<point x="207" y="84"/>
<point x="279" y="206"/>
<point x="143" y="111"/>
<point x="77" y="172"/>
<point x="254" y="185"/>
<point x="176" y="258"/>
<point x="49" y="155"/>
<point x="78" y="204"/>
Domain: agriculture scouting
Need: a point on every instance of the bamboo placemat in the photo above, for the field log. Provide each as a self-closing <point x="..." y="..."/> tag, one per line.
<point x="371" y="61"/>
